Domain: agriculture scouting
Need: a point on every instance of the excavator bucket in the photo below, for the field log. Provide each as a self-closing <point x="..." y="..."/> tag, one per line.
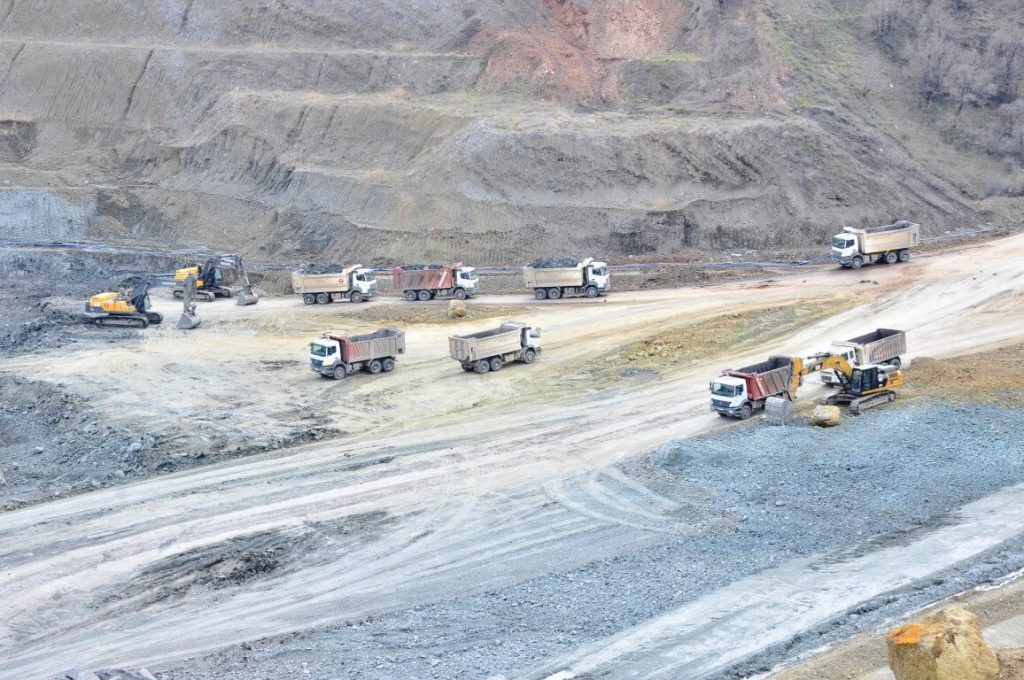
<point x="188" y="321"/>
<point x="246" y="296"/>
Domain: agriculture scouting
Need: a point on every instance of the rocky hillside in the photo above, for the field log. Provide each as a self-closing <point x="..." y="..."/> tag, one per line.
<point x="495" y="130"/>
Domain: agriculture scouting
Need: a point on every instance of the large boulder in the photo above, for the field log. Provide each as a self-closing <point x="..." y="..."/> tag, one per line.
<point x="826" y="416"/>
<point x="456" y="309"/>
<point x="944" y="646"/>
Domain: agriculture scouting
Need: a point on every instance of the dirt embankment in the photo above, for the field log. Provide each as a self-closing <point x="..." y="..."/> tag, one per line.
<point x="994" y="377"/>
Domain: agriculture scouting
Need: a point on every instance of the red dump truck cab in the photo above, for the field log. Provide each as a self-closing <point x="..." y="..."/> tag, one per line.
<point x="428" y="281"/>
<point x="739" y="392"/>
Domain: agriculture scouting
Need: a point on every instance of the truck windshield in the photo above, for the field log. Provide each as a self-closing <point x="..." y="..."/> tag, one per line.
<point x="841" y="242"/>
<point x="469" y="276"/>
<point x="318" y="350"/>
<point x="369" y="277"/>
<point x="722" y="390"/>
<point x="599" y="271"/>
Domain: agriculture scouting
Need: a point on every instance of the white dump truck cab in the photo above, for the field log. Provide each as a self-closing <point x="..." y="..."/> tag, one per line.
<point x="531" y="338"/>
<point x="729" y="394"/>
<point x="598" y="275"/>
<point x="324" y="353"/>
<point x="365" y="281"/>
<point x="467" y="279"/>
<point x="844" y="247"/>
<point x="828" y="376"/>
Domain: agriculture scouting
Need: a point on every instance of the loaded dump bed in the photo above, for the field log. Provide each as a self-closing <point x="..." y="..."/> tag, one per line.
<point x="386" y="342"/>
<point x="767" y="378"/>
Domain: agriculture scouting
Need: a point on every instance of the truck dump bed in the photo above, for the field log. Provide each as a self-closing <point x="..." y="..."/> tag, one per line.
<point x="536" y="276"/>
<point x="767" y="378"/>
<point x="386" y="342"/>
<point x="902" y="234"/>
<point x="423" y="277"/>
<point x="878" y="346"/>
<point x="326" y="282"/>
<point x="492" y="342"/>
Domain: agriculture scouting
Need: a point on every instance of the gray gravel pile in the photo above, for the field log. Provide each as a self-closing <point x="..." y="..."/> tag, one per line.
<point x="768" y="495"/>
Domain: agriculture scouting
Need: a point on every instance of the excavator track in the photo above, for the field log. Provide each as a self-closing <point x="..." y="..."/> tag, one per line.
<point x="858" y="406"/>
<point x="121" y="321"/>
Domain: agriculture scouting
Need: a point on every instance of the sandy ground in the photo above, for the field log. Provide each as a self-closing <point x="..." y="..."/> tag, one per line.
<point x="433" y="462"/>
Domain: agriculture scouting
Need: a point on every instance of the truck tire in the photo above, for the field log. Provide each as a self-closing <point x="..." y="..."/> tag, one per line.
<point x="554" y="293"/>
<point x="322" y="298"/>
<point x="592" y="291"/>
<point x="482" y="366"/>
<point x="309" y="299"/>
<point x="856" y="263"/>
<point x="387" y="365"/>
<point x="895" y="362"/>
<point x="374" y="367"/>
<point x="904" y="255"/>
<point x="410" y="295"/>
<point x="496" y="364"/>
<point x="340" y="372"/>
<point x="423" y="295"/>
<point x="540" y="294"/>
<point x="356" y="296"/>
<point x="460" y="293"/>
<point x="529" y="356"/>
<point x="892" y="257"/>
<point x="745" y="412"/>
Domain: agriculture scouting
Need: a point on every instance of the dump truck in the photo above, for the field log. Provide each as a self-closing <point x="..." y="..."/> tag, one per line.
<point x="739" y="392"/>
<point x="427" y="281"/>
<point x="554" y="279"/>
<point x="332" y="283"/>
<point x="336" y="356"/>
<point x="489" y="350"/>
<point x="880" y="346"/>
<point x="854" y="248"/>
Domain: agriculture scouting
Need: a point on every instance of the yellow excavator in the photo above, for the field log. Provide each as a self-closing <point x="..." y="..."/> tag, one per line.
<point x="861" y="387"/>
<point x="127" y="306"/>
<point x="209" y="277"/>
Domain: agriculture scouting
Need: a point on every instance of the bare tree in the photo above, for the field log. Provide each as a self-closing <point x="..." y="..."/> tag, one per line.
<point x="933" y="56"/>
<point x="1005" y="63"/>
<point x="1012" y="115"/>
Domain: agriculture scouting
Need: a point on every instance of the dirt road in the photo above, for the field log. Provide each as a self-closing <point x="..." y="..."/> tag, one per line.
<point x="443" y="479"/>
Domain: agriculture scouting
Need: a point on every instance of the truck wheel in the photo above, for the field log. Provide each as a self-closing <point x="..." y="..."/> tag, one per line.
<point x="375" y="367"/>
<point x="529" y="356"/>
<point x="322" y="298"/>
<point x="482" y="366"/>
<point x="856" y="263"/>
<point x="592" y="291"/>
<point x="387" y="365"/>
<point x="460" y="294"/>
<point x="554" y="293"/>
<point x="339" y="372"/>
<point x="423" y="295"/>
<point x="896" y="362"/>
<point x="904" y="255"/>
<point x="309" y="299"/>
<point x="540" y="294"/>
<point x="745" y="412"/>
<point x="496" y="364"/>
<point x="891" y="257"/>
<point x="356" y="297"/>
<point x="410" y="295"/>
